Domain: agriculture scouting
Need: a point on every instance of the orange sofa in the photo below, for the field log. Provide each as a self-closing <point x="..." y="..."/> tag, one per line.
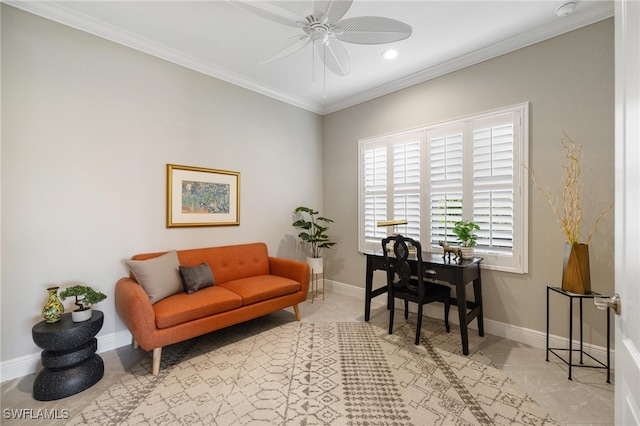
<point x="248" y="284"/>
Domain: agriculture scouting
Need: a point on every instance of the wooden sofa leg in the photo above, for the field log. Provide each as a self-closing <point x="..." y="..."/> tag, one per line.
<point x="157" y="353"/>
<point x="135" y="344"/>
<point x="297" y="311"/>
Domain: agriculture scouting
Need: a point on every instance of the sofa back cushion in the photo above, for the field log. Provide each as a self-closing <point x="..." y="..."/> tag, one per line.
<point x="227" y="263"/>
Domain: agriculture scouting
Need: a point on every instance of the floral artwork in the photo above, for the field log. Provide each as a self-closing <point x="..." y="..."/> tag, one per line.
<point x="205" y="197"/>
<point x="202" y="197"/>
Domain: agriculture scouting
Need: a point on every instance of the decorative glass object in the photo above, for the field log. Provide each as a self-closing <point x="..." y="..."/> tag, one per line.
<point x="54" y="309"/>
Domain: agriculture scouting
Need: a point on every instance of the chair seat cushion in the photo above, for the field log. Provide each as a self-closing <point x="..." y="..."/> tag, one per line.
<point x="262" y="287"/>
<point x="183" y="307"/>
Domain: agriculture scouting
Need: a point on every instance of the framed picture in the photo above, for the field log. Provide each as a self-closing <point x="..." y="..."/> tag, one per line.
<point x="202" y="197"/>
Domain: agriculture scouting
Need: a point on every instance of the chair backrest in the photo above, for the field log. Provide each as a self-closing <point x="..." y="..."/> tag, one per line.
<point x="400" y="272"/>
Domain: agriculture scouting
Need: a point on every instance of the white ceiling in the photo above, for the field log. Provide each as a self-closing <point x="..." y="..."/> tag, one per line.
<point x="224" y="41"/>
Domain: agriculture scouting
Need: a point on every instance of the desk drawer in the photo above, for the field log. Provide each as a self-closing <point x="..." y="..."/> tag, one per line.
<point x="440" y="274"/>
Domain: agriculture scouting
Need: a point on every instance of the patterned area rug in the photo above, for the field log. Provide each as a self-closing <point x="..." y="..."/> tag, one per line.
<point x="315" y="374"/>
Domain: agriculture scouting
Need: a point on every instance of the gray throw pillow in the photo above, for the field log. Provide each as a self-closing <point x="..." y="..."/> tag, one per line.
<point x="196" y="278"/>
<point x="158" y="276"/>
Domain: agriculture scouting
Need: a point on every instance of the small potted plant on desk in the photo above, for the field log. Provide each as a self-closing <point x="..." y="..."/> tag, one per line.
<point x="465" y="231"/>
<point x="85" y="298"/>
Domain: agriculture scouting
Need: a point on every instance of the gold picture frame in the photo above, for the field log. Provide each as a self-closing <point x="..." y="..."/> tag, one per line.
<point x="202" y="197"/>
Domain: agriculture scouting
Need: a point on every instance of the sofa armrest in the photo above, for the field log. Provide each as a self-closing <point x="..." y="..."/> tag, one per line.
<point x="292" y="269"/>
<point x="135" y="310"/>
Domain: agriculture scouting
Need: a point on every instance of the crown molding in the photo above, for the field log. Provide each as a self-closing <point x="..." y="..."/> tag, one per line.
<point x="82" y="22"/>
<point x="538" y="35"/>
<point x="58" y="13"/>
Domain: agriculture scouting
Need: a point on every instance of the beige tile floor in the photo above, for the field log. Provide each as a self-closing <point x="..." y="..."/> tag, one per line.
<point x="586" y="400"/>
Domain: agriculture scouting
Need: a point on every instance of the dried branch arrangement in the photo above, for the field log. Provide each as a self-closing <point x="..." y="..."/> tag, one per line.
<point x="568" y="210"/>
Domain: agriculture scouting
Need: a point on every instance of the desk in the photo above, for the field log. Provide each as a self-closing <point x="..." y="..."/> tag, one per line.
<point x="580" y="350"/>
<point x="437" y="268"/>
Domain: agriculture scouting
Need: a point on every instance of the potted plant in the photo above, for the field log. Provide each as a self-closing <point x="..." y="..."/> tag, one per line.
<point x="313" y="231"/>
<point x="85" y="298"/>
<point x="465" y="231"/>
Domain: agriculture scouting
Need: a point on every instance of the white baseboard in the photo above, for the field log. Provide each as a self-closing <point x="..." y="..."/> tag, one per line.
<point x="28" y="364"/>
<point x="519" y="334"/>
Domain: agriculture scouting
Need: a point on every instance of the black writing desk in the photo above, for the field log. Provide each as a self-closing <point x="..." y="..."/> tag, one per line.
<point x="437" y="268"/>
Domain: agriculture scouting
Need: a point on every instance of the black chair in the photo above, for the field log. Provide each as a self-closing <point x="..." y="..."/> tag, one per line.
<point x="404" y="281"/>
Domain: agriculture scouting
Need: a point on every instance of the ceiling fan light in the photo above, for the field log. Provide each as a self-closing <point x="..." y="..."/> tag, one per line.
<point x="390" y="54"/>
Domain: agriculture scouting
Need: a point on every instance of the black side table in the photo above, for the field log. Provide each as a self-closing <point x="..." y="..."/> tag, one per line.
<point x="581" y="351"/>
<point x="70" y="362"/>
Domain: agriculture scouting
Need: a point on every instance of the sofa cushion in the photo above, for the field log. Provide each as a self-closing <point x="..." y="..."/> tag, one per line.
<point x="183" y="307"/>
<point x="196" y="278"/>
<point x="159" y="276"/>
<point x="230" y="263"/>
<point x="262" y="287"/>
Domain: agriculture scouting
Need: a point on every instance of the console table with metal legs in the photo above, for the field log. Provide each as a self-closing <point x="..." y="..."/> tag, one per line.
<point x="580" y="349"/>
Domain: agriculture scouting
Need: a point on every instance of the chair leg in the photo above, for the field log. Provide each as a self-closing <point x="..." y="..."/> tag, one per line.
<point x="419" y="326"/>
<point x="406" y="309"/>
<point x="447" y="305"/>
<point x="391" y="313"/>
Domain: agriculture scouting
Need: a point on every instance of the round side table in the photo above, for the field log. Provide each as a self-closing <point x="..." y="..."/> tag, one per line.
<point x="70" y="362"/>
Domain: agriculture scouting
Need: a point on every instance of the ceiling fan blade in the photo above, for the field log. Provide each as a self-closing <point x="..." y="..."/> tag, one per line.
<point x="371" y="30"/>
<point x="270" y="11"/>
<point x="334" y="10"/>
<point x="298" y="43"/>
<point x="335" y="56"/>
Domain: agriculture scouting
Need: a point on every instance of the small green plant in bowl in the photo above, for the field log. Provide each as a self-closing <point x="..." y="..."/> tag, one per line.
<point x="85" y="297"/>
<point x="465" y="231"/>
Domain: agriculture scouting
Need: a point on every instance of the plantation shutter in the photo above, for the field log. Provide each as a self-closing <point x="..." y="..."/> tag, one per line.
<point x="406" y="183"/>
<point x="493" y="200"/>
<point x="390" y="172"/>
<point x="435" y="176"/>
<point x="374" y="210"/>
<point x="445" y="165"/>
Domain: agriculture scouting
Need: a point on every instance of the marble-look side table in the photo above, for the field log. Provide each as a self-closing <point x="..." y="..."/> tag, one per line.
<point x="70" y="362"/>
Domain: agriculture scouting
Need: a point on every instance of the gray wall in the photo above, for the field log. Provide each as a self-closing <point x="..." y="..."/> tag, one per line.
<point x="88" y="128"/>
<point x="89" y="125"/>
<point x="569" y="81"/>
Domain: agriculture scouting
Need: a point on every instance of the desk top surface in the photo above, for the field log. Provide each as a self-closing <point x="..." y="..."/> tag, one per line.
<point x="431" y="258"/>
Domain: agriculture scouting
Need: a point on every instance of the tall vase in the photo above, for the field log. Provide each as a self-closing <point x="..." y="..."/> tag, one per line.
<point x="54" y="309"/>
<point x="576" y="276"/>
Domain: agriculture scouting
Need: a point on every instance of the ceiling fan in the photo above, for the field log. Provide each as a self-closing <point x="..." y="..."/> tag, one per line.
<point x="323" y="26"/>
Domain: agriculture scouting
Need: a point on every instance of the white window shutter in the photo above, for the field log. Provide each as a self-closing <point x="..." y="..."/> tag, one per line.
<point x="493" y="162"/>
<point x="406" y="184"/>
<point x="374" y="208"/>
<point x="445" y="166"/>
<point x="468" y="169"/>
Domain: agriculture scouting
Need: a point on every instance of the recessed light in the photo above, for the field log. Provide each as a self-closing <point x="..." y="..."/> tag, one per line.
<point x="566" y="9"/>
<point x="390" y="54"/>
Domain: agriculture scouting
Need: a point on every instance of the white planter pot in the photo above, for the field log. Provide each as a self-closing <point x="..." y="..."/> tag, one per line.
<point x="316" y="264"/>
<point x="80" y="316"/>
<point x="467" y="252"/>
